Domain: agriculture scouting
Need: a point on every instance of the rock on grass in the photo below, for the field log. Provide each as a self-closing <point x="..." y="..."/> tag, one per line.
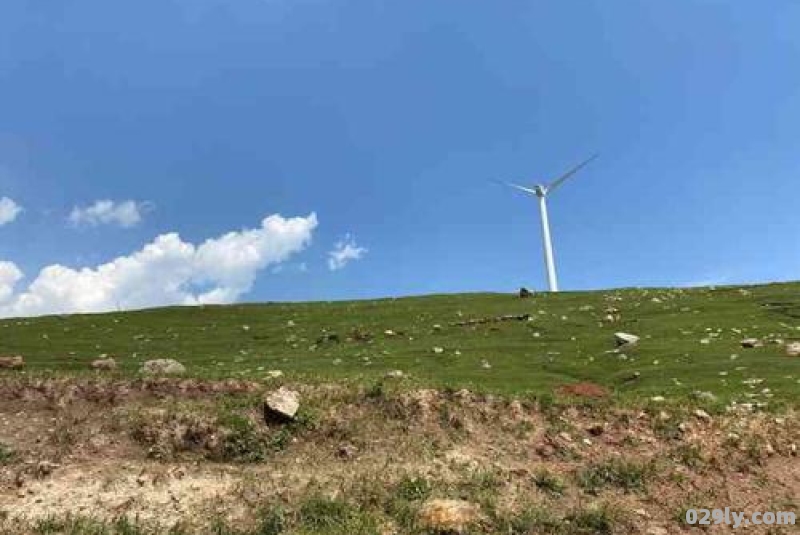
<point x="625" y="339"/>
<point x="281" y="405"/>
<point x="162" y="367"/>
<point x="793" y="349"/>
<point x="104" y="364"/>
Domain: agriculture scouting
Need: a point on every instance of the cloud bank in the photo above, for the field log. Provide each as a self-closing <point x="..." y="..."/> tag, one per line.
<point x="344" y="252"/>
<point x="125" y="214"/>
<point x="166" y="271"/>
<point x="9" y="210"/>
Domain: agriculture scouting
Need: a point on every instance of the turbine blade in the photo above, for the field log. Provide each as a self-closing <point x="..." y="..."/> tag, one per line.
<point x="516" y="186"/>
<point x="560" y="180"/>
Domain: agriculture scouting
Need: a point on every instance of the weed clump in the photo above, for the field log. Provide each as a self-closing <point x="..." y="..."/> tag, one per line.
<point x="628" y="476"/>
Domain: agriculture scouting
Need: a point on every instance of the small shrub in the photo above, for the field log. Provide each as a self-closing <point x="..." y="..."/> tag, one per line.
<point x="593" y="521"/>
<point x="413" y="489"/>
<point x="689" y="455"/>
<point x="549" y="483"/>
<point x="628" y="476"/>
<point x="240" y="441"/>
<point x="273" y="522"/>
<point x="6" y="454"/>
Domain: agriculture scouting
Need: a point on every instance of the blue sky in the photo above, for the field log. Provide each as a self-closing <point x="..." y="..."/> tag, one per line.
<point x="386" y="120"/>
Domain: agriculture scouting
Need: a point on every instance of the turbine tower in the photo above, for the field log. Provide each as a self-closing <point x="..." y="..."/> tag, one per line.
<point x="542" y="191"/>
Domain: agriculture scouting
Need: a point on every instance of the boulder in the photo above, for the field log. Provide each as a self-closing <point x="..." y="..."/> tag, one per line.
<point x="163" y="367"/>
<point x="104" y="364"/>
<point x="274" y="374"/>
<point x="394" y="374"/>
<point x="448" y="516"/>
<point x="793" y="349"/>
<point x="281" y="405"/>
<point x="625" y="339"/>
<point x="15" y="362"/>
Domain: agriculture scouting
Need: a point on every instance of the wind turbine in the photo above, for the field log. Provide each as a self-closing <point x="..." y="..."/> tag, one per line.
<point x="542" y="191"/>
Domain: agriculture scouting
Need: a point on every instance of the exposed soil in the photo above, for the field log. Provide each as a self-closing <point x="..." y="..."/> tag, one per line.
<point x="186" y="452"/>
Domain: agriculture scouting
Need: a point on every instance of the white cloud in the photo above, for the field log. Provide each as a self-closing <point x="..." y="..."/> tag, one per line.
<point x="126" y="214"/>
<point x="9" y="210"/>
<point x="166" y="271"/>
<point x="9" y="276"/>
<point x="344" y="251"/>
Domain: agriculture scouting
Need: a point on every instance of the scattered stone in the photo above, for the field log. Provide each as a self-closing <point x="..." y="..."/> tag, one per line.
<point x="545" y="451"/>
<point x="625" y="339"/>
<point x="15" y="362"/>
<point x="438" y="350"/>
<point x="596" y="430"/>
<point x="702" y="415"/>
<point x="793" y="349"/>
<point x="163" y="367"/>
<point x="281" y="404"/>
<point x="485" y="364"/>
<point x="630" y="378"/>
<point x="104" y="364"/>
<point x="448" y="516"/>
<point x="395" y="374"/>
<point x="274" y="374"/>
<point x="347" y="451"/>
<point x="328" y="337"/>
<point x="657" y="399"/>
<point x="752" y="343"/>
<point x="704" y="395"/>
<point x="525" y="293"/>
<point x="495" y="319"/>
<point x="389" y="332"/>
<point x="44" y="469"/>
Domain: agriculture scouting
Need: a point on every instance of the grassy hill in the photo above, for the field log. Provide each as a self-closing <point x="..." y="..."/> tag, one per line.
<point x="690" y="341"/>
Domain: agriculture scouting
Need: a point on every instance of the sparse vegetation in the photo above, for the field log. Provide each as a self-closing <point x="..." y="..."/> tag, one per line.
<point x="626" y="475"/>
<point x="6" y="454"/>
<point x="549" y="482"/>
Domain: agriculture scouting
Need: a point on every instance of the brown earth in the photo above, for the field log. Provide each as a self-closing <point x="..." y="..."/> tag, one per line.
<point x="183" y="452"/>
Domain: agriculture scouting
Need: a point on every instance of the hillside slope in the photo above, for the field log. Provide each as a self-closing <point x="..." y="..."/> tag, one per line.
<point x="690" y="341"/>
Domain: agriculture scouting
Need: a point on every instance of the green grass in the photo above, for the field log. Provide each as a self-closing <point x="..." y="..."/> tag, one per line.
<point x="549" y="483"/>
<point x="6" y="454"/>
<point x="625" y="475"/>
<point x="346" y="340"/>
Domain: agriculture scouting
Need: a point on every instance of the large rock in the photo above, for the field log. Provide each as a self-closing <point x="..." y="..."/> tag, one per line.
<point x="752" y="342"/>
<point x="281" y="404"/>
<point x="15" y="362"/>
<point x="625" y="339"/>
<point x="163" y="367"/>
<point x="448" y="516"/>
<point x="793" y="349"/>
<point x="104" y="364"/>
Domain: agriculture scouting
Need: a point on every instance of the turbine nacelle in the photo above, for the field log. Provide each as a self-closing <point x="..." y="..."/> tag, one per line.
<point x="541" y="191"/>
